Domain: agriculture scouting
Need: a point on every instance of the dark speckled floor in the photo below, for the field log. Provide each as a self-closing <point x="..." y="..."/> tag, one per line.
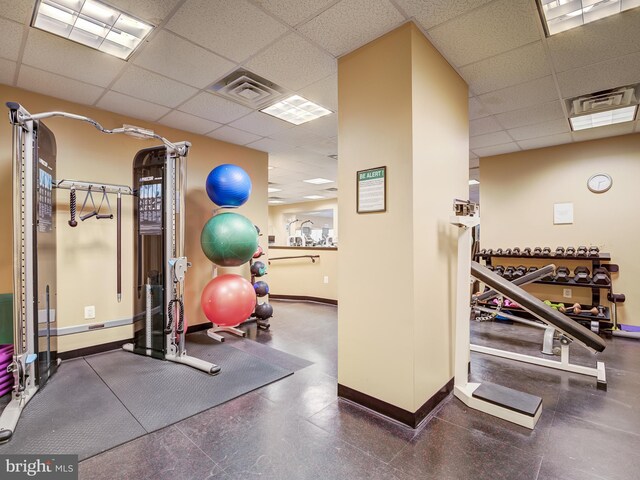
<point x="297" y="429"/>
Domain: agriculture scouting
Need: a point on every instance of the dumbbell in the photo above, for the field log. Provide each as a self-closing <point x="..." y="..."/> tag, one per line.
<point x="520" y="271"/>
<point x="572" y="309"/>
<point x="499" y="269"/>
<point x="509" y="273"/>
<point x="559" y="251"/>
<point x="508" y="251"/>
<point x="499" y="251"/>
<point x="570" y="252"/>
<point x="489" y="251"/>
<point x="582" y="251"/>
<point x="548" y="278"/>
<point x="601" y="276"/>
<point x="482" y="252"/>
<point x="581" y="275"/>
<point x="546" y="251"/>
<point x="594" y="251"/>
<point x="490" y="267"/>
<point x="516" y="251"/>
<point x="531" y="269"/>
<point x="562" y="274"/>
<point x="537" y="251"/>
<point x="526" y="252"/>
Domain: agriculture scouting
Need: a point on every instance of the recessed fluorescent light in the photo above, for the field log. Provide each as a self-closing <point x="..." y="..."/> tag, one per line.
<point x="561" y="15"/>
<point x="270" y="167"/>
<point x="273" y="190"/>
<point x="314" y="197"/>
<point x="474" y="182"/>
<point x="296" y="110"/>
<point x="600" y="119"/>
<point x="275" y="201"/>
<point x="93" y="24"/>
<point x="318" y="181"/>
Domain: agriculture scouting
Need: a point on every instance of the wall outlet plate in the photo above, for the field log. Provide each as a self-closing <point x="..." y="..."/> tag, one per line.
<point x="567" y="293"/>
<point x="89" y="312"/>
<point x="326" y="279"/>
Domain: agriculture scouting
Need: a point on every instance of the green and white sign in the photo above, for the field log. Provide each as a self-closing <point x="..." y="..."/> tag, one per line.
<point x="372" y="190"/>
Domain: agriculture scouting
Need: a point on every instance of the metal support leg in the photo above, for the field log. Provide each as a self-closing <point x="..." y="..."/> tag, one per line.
<point x="233" y="330"/>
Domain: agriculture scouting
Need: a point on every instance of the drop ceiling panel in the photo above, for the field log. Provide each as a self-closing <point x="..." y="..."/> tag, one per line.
<point x="483" y="125"/>
<point x="153" y="11"/>
<point x="540" y="130"/>
<point x="294" y="11"/>
<point x="18" y="11"/>
<point x="181" y="60"/>
<point x="477" y="109"/>
<point x="496" y="150"/>
<point x="601" y="76"/>
<point x="12" y="33"/>
<point x="57" y="86"/>
<point x="544" y="112"/>
<point x="351" y="23"/>
<point x="133" y="107"/>
<point x="474" y="162"/>
<point x="542" y="142"/>
<point x="235" y="30"/>
<point x="596" y="42"/>
<point x="233" y="135"/>
<point x="326" y="126"/>
<point x="434" y="12"/>
<point x="190" y="123"/>
<point x="520" y="96"/>
<point x="61" y="56"/>
<point x="292" y="62"/>
<point x="212" y="107"/>
<point x="323" y="92"/>
<point x="511" y="68"/>
<point x="272" y="146"/>
<point x="489" y="139"/>
<point x="492" y="29"/>
<point x="296" y="136"/>
<point x="602" y="132"/>
<point x="324" y="147"/>
<point x="261" y="124"/>
<point x="152" y="87"/>
<point x="7" y="71"/>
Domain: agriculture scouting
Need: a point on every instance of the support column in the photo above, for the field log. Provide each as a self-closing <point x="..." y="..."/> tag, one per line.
<point x="401" y="105"/>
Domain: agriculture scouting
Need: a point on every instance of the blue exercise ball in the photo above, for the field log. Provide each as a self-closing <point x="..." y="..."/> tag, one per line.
<point x="228" y="185"/>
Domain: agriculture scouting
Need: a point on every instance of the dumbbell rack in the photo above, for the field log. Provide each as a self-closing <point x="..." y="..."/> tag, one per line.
<point x="596" y="323"/>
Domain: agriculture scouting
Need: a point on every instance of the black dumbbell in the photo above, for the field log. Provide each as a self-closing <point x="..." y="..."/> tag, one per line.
<point x="546" y="251"/>
<point x="490" y="267"/>
<point x="516" y="251"/>
<point x="581" y="275"/>
<point x="521" y="270"/>
<point x="582" y="251"/>
<point x="562" y="274"/>
<point x="570" y="252"/>
<point x="537" y="251"/>
<point x="594" y="251"/>
<point x="548" y="278"/>
<point x="559" y="251"/>
<point x="531" y="269"/>
<point x="499" y="251"/>
<point x="482" y="252"/>
<point x="508" y="251"/>
<point x="489" y="251"/>
<point x="499" y="269"/>
<point x="509" y="273"/>
<point x="601" y="276"/>
<point x="526" y="252"/>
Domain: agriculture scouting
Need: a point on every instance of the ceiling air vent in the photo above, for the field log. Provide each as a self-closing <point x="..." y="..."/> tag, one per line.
<point x="331" y="189"/>
<point x="604" y="100"/>
<point x="276" y="198"/>
<point x="247" y="88"/>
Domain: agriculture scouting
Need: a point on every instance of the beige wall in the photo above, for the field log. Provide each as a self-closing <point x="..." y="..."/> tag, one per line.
<point x="301" y="277"/>
<point x="86" y="254"/>
<point x="403" y="106"/>
<point x="518" y="190"/>
<point x="280" y="214"/>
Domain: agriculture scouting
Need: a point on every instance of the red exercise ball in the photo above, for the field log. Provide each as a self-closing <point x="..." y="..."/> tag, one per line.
<point x="258" y="253"/>
<point x="228" y="300"/>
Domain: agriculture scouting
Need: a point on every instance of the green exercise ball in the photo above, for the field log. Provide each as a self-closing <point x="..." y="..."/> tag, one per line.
<point x="229" y="239"/>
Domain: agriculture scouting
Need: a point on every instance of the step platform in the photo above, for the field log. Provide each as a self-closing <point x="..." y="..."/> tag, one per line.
<point x="514" y="400"/>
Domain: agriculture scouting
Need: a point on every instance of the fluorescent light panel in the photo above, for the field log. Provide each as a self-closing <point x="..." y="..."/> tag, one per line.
<point x="275" y="201"/>
<point x="318" y="181"/>
<point x="474" y="182"/>
<point x="296" y="110"/>
<point x="600" y="119"/>
<point x="93" y="24"/>
<point x="314" y="197"/>
<point x="273" y="190"/>
<point x="561" y="15"/>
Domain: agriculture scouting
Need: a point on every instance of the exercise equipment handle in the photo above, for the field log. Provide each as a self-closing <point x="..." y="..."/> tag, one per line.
<point x="72" y="207"/>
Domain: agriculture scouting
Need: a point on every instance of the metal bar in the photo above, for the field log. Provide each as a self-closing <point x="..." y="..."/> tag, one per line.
<point x="312" y="257"/>
<point x="512" y="317"/>
<point x="93" y="186"/>
<point x="524" y="280"/>
<point x="119" y="247"/>
<point x="89" y="327"/>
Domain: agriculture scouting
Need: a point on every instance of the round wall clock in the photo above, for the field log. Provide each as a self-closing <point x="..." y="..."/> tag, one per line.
<point x="599" y="183"/>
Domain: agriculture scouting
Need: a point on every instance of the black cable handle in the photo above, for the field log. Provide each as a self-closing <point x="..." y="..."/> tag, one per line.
<point x="72" y="207"/>
<point x="170" y="316"/>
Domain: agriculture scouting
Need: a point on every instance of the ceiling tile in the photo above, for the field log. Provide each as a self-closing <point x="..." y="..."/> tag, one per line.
<point x="133" y="107"/>
<point x="326" y="126"/>
<point x="182" y="60"/>
<point x="12" y="33"/>
<point x="350" y="24"/>
<point x="602" y="132"/>
<point x="323" y="92"/>
<point x="153" y="11"/>
<point x="489" y="139"/>
<point x="235" y="29"/>
<point x="293" y="62"/>
<point x="595" y="42"/>
<point x="496" y="150"/>
<point x="296" y="136"/>
<point x="212" y="107"/>
<point x="189" y="123"/>
<point x="261" y="124"/>
<point x="474" y="162"/>
<point x="495" y="28"/>
<point x="519" y="96"/>
<point x="483" y="125"/>
<point x="324" y="147"/>
<point x="477" y="109"/>
<point x="64" y="57"/>
<point x="294" y="11"/>
<point x="51" y="84"/>
<point x="233" y="135"/>
<point x="272" y="146"/>
<point x="542" y="142"/>
<point x="434" y="12"/>
<point x="149" y="86"/>
<point x="510" y="68"/>
<point x="18" y="11"/>
<point x="540" y="130"/>
<point x="7" y="71"/>
<point x="602" y="76"/>
<point x="544" y="112"/>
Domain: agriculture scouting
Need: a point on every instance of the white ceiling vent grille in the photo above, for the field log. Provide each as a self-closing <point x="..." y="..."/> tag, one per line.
<point x="248" y="89"/>
<point x="605" y="100"/>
